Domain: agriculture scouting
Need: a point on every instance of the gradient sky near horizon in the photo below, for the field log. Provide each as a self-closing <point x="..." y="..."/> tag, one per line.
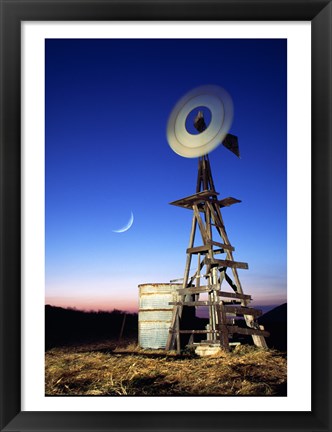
<point x="107" y="103"/>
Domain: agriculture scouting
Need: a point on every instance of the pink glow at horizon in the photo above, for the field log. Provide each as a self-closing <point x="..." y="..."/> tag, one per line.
<point x="107" y="302"/>
<point x="107" y="293"/>
<point x="93" y="304"/>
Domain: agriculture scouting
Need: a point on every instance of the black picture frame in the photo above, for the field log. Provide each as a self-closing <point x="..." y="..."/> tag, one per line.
<point x="13" y="12"/>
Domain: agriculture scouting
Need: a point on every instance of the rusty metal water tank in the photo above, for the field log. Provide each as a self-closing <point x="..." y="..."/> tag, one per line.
<point x="155" y="313"/>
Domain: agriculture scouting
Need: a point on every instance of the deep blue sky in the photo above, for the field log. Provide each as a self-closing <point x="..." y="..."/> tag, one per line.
<point x="107" y="106"/>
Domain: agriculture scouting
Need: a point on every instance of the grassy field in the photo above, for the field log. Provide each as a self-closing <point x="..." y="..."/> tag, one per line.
<point x="109" y="370"/>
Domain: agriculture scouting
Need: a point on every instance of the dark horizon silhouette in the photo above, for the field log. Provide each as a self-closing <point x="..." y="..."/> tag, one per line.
<point x="70" y="326"/>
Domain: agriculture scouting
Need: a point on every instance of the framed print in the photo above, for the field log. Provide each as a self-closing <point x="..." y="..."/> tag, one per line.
<point x="105" y="109"/>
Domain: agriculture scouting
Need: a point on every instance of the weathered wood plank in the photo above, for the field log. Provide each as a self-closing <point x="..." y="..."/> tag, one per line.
<point x="209" y="173"/>
<point x="222" y="324"/>
<point x="193" y="303"/>
<point x="231" y="283"/>
<point x="247" y="331"/>
<point x="200" y="224"/>
<point x="208" y="231"/>
<point x="171" y="339"/>
<point x="196" y="331"/>
<point x="221" y="245"/>
<point x="190" y="245"/>
<point x="232" y="302"/>
<point x="198" y="280"/>
<point x="197" y="271"/>
<point x="235" y="329"/>
<point x="196" y="290"/>
<point x="216" y="225"/>
<point x="178" y="346"/>
<point x="208" y="288"/>
<point x="232" y="329"/>
<point x="226" y="202"/>
<point x="189" y="200"/>
<point x="198" y="249"/>
<point x="243" y="310"/>
<point x="218" y="251"/>
<point x="199" y="176"/>
<point x="233" y="295"/>
<point x="231" y="264"/>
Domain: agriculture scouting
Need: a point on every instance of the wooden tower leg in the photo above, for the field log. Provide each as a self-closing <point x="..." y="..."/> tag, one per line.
<point x="178" y="342"/>
<point x="259" y="341"/>
<point x="177" y="311"/>
<point x="222" y="326"/>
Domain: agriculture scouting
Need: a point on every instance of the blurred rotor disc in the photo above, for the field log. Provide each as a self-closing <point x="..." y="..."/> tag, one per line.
<point x="220" y="104"/>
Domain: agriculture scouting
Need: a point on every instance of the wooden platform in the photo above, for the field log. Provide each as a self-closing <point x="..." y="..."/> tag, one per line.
<point x="200" y="198"/>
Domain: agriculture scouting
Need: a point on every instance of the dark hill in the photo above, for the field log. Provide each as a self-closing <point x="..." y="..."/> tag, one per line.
<point x="275" y="322"/>
<point x="278" y="314"/>
<point x="71" y="326"/>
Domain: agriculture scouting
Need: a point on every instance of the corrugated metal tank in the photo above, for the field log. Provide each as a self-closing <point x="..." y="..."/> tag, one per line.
<point x="155" y="313"/>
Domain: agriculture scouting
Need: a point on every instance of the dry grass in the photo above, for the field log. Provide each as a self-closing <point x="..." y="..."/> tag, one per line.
<point x="107" y="370"/>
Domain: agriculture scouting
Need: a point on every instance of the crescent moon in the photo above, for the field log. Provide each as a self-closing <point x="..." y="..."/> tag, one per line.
<point x="126" y="227"/>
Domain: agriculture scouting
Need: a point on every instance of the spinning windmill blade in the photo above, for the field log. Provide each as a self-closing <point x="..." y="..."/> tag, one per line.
<point x="230" y="142"/>
<point x="220" y="104"/>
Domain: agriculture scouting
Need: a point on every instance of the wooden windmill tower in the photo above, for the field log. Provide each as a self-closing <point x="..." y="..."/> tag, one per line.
<point x="215" y="283"/>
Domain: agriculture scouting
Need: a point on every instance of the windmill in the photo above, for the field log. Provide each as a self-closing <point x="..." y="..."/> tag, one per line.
<point x="214" y="283"/>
